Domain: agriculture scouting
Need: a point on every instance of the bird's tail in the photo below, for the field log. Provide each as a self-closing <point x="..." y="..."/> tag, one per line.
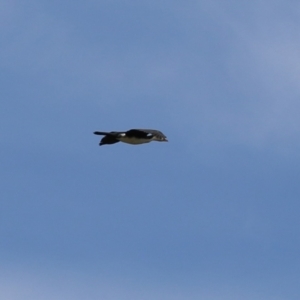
<point x="101" y="133"/>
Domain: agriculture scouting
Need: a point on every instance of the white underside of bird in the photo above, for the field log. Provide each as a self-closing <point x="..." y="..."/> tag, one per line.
<point x="133" y="140"/>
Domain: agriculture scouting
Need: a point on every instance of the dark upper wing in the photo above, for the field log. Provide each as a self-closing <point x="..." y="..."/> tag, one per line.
<point x="142" y="133"/>
<point x="109" y="137"/>
<point x="101" y="133"/>
<point x="112" y="133"/>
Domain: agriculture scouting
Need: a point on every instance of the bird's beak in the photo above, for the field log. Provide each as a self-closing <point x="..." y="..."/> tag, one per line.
<point x="165" y="140"/>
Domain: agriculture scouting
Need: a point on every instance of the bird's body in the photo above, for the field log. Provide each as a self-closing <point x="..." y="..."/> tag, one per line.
<point x="132" y="136"/>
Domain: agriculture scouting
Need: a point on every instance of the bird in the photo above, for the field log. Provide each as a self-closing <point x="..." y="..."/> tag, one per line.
<point x="132" y="136"/>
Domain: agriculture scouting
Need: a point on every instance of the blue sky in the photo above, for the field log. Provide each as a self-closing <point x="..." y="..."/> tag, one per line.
<point x="213" y="214"/>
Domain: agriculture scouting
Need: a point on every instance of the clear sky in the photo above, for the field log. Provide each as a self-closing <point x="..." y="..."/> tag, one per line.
<point x="214" y="213"/>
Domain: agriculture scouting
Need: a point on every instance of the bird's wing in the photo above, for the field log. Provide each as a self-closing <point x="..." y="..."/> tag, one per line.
<point x="101" y="133"/>
<point x="108" y="139"/>
<point x="112" y="133"/>
<point x="142" y="133"/>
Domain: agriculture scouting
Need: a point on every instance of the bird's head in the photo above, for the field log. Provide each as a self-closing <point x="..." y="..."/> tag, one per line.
<point x="160" y="138"/>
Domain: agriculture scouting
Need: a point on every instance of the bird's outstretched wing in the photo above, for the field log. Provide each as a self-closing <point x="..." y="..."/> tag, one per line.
<point x="109" y="138"/>
<point x="101" y="133"/>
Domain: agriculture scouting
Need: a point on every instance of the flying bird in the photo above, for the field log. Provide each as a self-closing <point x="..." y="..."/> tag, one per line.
<point x="132" y="136"/>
